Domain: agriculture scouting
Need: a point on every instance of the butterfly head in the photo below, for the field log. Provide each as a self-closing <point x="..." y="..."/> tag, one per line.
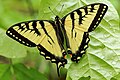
<point x="57" y="18"/>
<point x="58" y="21"/>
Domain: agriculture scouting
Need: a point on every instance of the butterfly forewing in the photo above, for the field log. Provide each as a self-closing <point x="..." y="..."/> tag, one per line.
<point x="79" y="23"/>
<point x="36" y="32"/>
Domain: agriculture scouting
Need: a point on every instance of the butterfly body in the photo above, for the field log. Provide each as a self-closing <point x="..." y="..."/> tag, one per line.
<point x="67" y="35"/>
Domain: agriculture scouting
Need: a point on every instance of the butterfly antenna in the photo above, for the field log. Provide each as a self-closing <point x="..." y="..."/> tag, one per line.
<point x="52" y="11"/>
<point x="61" y="9"/>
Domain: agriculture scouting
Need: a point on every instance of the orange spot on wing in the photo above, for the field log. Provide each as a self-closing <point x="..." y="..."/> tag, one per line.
<point x="64" y="57"/>
<point x="70" y="55"/>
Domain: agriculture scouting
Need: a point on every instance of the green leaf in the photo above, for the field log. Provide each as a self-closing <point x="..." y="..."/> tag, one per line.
<point x="5" y="72"/>
<point x="16" y="12"/>
<point x="85" y="78"/>
<point x="116" y="77"/>
<point x="23" y="73"/>
<point x="11" y="15"/>
<point x="101" y="61"/>
<point x="57" y="7"/>
<point x="19" y="72"/>
<point x="10" y="48"/>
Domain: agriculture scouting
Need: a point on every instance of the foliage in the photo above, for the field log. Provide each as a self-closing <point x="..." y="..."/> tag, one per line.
<point x="101" y="62"/>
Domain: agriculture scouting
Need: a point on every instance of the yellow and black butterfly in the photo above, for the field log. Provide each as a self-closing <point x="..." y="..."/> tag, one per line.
<point x="55" y="39"/>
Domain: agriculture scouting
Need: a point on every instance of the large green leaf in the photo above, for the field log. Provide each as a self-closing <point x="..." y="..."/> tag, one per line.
<point x="10" y="48"/>
<point x="102" y="61"/>
<point x="19" y="72"/>
<point x="23" y="73"/>
<point x="5" y="72"/>
<point x="116" y="77"/>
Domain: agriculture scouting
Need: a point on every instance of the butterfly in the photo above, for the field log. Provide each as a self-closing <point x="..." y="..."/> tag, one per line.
<point x="63" y="36"/>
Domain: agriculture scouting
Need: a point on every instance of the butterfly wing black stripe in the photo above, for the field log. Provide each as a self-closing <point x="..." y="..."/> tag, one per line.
<point x="16" y="36"/>
<point x="82" y="48"/>
<point x="49" y="56"/>
<point x="100" y="13"/>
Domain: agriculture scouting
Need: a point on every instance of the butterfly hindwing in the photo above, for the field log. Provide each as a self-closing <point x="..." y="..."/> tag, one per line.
<point x="79" y="23"/>
<point x="60" y="61"/>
